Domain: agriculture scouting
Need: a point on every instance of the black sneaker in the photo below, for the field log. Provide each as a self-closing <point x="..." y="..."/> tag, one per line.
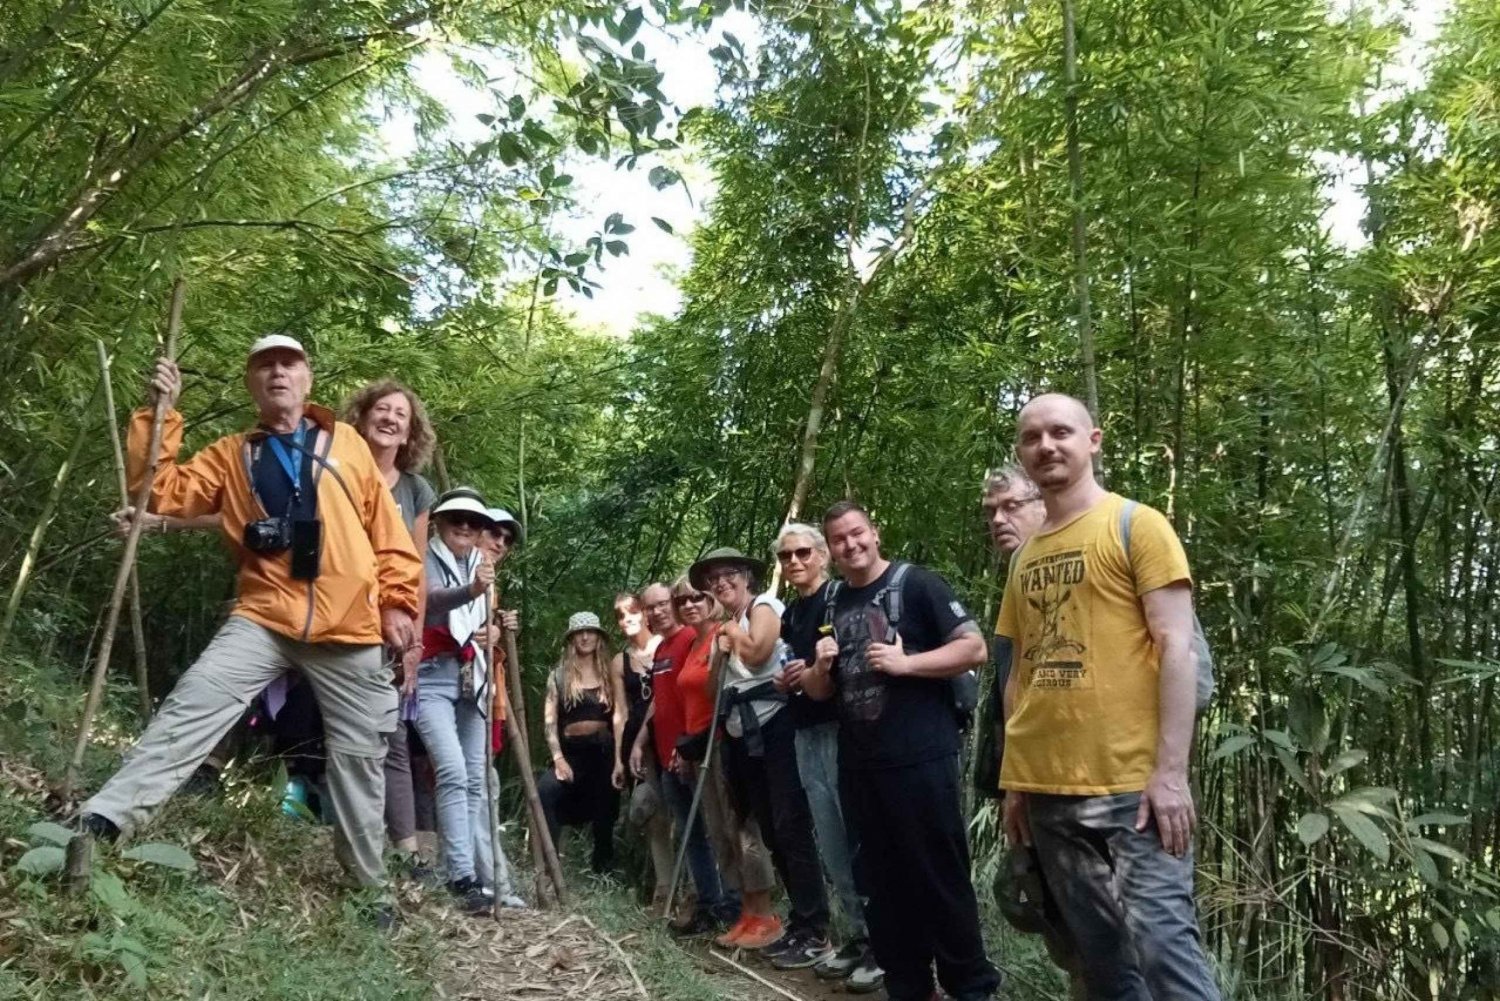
<point x="99" y="827"/>
<point x="808" y="950"/>
<point x="700" y="924"/>
<point x="789" y="940"/>
<point x="204" y="781"/>
<point x="841" y="963"/>
<point x="470" y="896"/>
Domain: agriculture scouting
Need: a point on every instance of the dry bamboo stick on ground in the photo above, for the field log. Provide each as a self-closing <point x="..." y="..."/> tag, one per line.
<point x="127" y="561"/>
<point x="754" y="976"/>
<point x="629" y="966"/>
<point x="137" y="626"/>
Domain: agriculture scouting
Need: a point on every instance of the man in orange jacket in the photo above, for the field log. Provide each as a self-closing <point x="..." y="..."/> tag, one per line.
<point x="328" y="581"/>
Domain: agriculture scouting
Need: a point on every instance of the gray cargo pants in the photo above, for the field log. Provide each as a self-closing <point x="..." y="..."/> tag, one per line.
<point x="1127" y="903"/>
<point x="353" y="688"/>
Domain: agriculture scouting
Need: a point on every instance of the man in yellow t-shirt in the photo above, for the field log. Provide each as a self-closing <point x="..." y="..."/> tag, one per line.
<point x="1099" y="718"/>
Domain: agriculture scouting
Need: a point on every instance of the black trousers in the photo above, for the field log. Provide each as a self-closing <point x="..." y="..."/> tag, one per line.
<point x="769" y="789"/>
<point x="911" y="863"/>
<point x="590" y="798"/>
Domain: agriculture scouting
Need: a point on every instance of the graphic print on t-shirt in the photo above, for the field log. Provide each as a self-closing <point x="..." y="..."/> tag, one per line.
<point x="1056" y="650"/>
<point x="862" y="691"/>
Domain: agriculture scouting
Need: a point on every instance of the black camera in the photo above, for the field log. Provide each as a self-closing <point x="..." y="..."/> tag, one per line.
<point x="268" y="536"/>
<point x="303" y="536"/>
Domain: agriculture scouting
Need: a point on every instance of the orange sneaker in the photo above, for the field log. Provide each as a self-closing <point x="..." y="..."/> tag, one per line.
<point x="765" y="930"/>
<point x="731" y="938"/>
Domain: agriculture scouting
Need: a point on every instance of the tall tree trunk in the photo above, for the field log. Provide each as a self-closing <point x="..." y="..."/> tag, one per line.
<point x="1080" y="219"/>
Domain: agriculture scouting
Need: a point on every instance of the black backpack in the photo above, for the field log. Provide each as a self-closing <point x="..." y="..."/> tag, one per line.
<point x="963" y="688"/>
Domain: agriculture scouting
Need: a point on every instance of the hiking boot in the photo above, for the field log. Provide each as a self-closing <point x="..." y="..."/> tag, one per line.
<point x="841" y="963"/>
<point x="470" y="895"/>
<point x="761" y="932"/>
<point x="807" y="950"/>
<point x="99" y="827"/>
<point x="701" y="923"/>
<point x="203" y="782"/>
<point x="387" y="919"/>
<point x="866" y="977"/>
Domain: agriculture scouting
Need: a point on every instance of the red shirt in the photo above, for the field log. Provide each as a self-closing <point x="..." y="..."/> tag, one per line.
<point x="692" y="682"/>
<point x="667" y="720"/>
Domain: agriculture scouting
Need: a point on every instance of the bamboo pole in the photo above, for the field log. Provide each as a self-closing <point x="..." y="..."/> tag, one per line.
<point x="127" y="560"/>
<point x="137" y="627"/>
<point x="539" y="833"/>
<point x="43" y="522"/>
<point x="491" y="778"/>
<point x="717" y="672"/>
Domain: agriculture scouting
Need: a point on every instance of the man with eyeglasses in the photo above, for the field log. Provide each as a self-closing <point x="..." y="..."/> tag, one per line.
<point x="803" y="554"/>
<point x="665" y="723"/>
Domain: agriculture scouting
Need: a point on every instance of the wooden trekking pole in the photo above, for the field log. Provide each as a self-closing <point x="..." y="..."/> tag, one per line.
<point x="491" y="777"/>
<point x="539" y="833"/>
<point x="127" y="560"/>
<point x="137" y="628"/>
<point x="717" y="673"/>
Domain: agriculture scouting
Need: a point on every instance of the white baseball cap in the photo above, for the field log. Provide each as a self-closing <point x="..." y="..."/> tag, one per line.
<point x="271" y="341"/>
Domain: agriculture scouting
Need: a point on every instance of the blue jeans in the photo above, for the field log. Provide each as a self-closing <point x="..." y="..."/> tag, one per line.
<point x="818" y="764"/>
<point x="1127" y="903"/>
<point x="700" y="855"/>
<point x="457" y="735"/>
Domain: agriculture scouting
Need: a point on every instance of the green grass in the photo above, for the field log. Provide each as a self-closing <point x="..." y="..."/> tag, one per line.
<point x="265" y="916"/>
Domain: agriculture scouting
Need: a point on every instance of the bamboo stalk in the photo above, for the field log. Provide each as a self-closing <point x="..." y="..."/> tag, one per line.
<point x="614" y="944"/>
<point x="137" y="627"/>
<point x="754" y="976"/>
<point x="716" y="672"/>
<point x="539" y="833"/>
<point x="43" y="522"/>
<point x="127" y="561"/>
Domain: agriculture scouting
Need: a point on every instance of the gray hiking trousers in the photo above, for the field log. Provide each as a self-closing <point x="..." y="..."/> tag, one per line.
<point x="353" y="688"/>
<point x="1128" y="905"/>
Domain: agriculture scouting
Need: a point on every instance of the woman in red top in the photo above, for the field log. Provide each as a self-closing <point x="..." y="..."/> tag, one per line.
<point x="744" y="861"/>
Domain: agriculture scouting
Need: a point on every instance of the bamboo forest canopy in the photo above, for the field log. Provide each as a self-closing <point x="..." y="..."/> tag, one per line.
<point x="942" y="208"/>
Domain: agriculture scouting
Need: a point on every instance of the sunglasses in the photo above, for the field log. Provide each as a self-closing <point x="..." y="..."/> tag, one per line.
<point x="801" y="554"/>
<point x="502" y="536"/>
<point x="473" y="521"/>
<point x="722" y="575"/>
<point x="689" y="599"/>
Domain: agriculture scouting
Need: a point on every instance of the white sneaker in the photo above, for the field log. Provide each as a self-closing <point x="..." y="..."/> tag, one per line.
<point x="866" y="978"/>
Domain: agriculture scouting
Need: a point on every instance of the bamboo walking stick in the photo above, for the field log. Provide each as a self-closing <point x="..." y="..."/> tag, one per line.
<point x="127" y="561"/>
<point x="717" y="672"/>
<point x="539" y="833"/>
<point x="491" y="777"/>
<point x="137" y="628"/>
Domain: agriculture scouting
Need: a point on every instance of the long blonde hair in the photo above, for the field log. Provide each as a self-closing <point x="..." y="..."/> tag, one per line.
<point x="567" y="680"/>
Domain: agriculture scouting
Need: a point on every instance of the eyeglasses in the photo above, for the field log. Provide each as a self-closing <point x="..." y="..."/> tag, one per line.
<point x="1010" y="508"/>
<point x="503" y="537"/>
<point x="801" y="554"/>
<point x="722" y="575"/>
<point x="689" y="599"/>
<point x="655" y="605"/>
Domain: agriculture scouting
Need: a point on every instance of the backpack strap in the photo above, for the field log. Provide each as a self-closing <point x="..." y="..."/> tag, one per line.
<point x="889" y="597"/>
<point x="1127" y="513"/>
<point x="829" y="596"/>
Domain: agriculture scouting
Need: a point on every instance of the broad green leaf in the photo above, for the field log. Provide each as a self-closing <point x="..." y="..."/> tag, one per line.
<point x="1365" y="829"/>
<point x="1345" y="761"/>
<point x="1438" y="848"/>
<point x="1370" y="799"/>
<point x="1232" y="745"/>
<point x="1312" y="827"/>
<point x="109" y="891"/>
<point x="162" y="854"/>
<point x="41" y="861"/>
<point x="663" y="225"/>
<point x="1293" y="769"/>
<point x="1436" y="820"/>
<point x="1440" y="936"/>
<point x="53" y="834"/>
<point x="135" y="969"/>
<point x="1426" y="868"/>
<point x="1461" y="933"/>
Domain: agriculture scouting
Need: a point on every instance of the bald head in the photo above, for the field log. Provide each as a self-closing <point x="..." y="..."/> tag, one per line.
<point x="1076" y="410"/>
<point x="1056" y="441"/>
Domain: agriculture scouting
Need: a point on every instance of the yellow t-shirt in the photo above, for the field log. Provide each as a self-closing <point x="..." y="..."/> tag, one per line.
<point x="1085" y="719"/>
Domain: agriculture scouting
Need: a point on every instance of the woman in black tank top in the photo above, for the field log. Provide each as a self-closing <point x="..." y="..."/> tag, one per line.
<point x="584" y="715"/>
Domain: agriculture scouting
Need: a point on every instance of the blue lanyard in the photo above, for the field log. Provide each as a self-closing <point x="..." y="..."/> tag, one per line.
<point x="293" y="468"/>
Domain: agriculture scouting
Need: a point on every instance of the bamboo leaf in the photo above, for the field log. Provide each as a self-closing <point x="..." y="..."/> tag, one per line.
<point x="46" y="830"/>
<point x="1345" y="761"/>
<point x="162" y="854"/>
<point x="1233" y="745"/>
<point x="1365" y="830"/>
<point x="1312" y="828"/>
<point x="41" y="861"/>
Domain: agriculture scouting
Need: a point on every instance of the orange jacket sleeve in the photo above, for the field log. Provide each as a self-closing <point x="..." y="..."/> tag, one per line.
<point x="179" y="489"/>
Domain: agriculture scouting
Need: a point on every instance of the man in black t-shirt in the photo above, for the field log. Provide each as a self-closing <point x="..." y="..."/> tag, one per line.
<point x="899" y="638"/>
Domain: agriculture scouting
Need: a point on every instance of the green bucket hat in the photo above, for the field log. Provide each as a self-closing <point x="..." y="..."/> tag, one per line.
<point x="722" y="557"/>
